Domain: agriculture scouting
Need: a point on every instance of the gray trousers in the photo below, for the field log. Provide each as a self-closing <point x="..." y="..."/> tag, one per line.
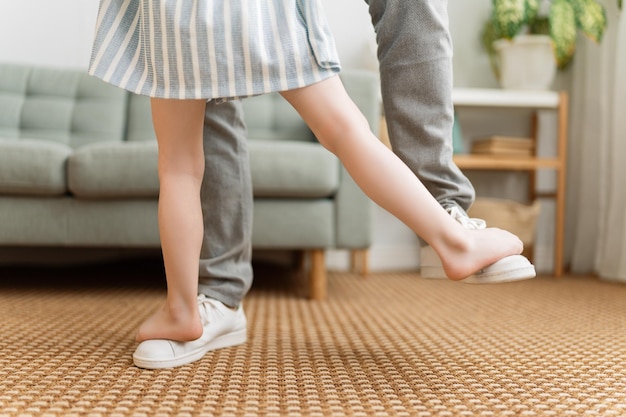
<point x="415" y="55"/>
<point x="226" y="194"/>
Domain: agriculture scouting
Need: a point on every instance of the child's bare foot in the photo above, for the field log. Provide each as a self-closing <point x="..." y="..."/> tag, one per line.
<point x="480" y="249"/>
<point x="179" y="324"/>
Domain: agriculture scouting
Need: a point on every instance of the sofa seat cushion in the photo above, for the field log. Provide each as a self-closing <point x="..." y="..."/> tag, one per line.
<point x="114" y="170"/>
<point x="129" y="169"/>
<point x="292" y="169"/>
<point x="33" y="167"/>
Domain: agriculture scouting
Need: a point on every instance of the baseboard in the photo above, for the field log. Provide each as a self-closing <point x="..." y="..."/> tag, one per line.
<point x="406" y="258"/>
<point x="381" y="258"/>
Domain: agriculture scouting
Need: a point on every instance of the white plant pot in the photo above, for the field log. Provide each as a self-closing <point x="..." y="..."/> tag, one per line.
<point x="526" y="63"/>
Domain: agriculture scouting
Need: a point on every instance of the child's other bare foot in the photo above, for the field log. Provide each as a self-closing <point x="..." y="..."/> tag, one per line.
<point x="480" y="249"/>
<point x="181" y="324"/>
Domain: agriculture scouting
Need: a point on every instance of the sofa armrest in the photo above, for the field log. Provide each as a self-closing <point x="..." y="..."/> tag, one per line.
<point x="354" y="208"/>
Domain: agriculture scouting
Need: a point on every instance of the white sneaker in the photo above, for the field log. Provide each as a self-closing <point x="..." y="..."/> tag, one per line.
<point x="507" y="269"/>
<point x="222" y="327"/>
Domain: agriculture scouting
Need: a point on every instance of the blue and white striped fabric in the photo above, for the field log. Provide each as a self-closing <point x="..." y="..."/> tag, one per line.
<point x="212" y="49"/>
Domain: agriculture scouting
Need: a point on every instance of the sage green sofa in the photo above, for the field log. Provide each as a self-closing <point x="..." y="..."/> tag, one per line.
<point x="78" y="169"/>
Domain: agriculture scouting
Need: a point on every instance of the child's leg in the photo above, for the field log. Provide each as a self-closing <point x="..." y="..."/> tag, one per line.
<point x="341" y="128"/>
<point x="178" y="125"/>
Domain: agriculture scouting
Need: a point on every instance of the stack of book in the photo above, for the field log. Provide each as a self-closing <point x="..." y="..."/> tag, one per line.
<point x="503" y="145"/>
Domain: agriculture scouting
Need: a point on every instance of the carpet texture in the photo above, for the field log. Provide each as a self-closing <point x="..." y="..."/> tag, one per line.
<point x="386" y="345"/>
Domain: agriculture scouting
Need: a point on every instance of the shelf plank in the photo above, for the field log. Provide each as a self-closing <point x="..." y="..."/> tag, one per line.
<point x="508" y="163"/>
<point x="492" y="97"/>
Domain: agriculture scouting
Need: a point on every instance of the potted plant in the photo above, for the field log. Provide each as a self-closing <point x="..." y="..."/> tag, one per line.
<point x="544" y="30"/>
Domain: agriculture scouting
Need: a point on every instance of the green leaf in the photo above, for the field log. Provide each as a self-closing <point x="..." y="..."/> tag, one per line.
<point x="563" y="31"/>
<point x="509" y="16"/>
<point x="488" y="37"/>
<point x="532" y="9"/>
<point x="619" y="4"/>
<point x="590" y="18"/>
<point x="540" y="26"/>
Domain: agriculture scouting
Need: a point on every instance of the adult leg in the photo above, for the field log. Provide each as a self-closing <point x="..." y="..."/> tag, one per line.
<point x="415" y="55"/>
<point x="342" y="129"/>
<point x="226" y="196"/>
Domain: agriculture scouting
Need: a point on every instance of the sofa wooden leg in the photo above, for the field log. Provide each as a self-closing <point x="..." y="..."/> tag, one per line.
<point x="359" y="262"/>
<point x="317" y="277"/>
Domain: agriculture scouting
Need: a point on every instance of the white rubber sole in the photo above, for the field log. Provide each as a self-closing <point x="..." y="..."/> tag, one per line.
<point x="227" y="340"/>
<point x="509" y="269"/>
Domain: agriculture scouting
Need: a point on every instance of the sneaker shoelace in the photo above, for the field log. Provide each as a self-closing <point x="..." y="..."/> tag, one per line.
<point x="208" y="308"/>
<point x="465" y="221"/>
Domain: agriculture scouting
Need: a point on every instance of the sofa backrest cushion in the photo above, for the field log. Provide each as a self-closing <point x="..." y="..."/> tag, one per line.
<point x="139" y="127"/>
<point x="271" y="117"/>
<point x="60" y="105"/>
<point x="114" y="170"/>
<point x="33" y="167"/>
<point x="267" y="117"/>
<point x="293" y="169"/>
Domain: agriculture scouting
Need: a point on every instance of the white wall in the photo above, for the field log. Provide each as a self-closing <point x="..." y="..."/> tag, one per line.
<point x="56" y="33"/>
<point x="353" y="31"/>
<point x="60" y="32"/>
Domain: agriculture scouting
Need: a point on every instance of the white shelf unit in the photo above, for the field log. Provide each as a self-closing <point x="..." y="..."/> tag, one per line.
<point x="534" y="100"/>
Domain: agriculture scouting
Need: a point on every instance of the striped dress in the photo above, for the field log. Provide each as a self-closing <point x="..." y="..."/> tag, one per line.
<point x="212" y="49"/>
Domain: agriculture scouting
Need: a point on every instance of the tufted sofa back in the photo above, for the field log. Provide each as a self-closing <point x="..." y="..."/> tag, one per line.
<point x="75" y="109"/>
<point x="270" y="117"/>
<point x="68" y="107"/>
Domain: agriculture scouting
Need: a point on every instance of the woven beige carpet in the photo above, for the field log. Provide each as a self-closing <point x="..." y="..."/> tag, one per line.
<point x="387" y="345"/>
